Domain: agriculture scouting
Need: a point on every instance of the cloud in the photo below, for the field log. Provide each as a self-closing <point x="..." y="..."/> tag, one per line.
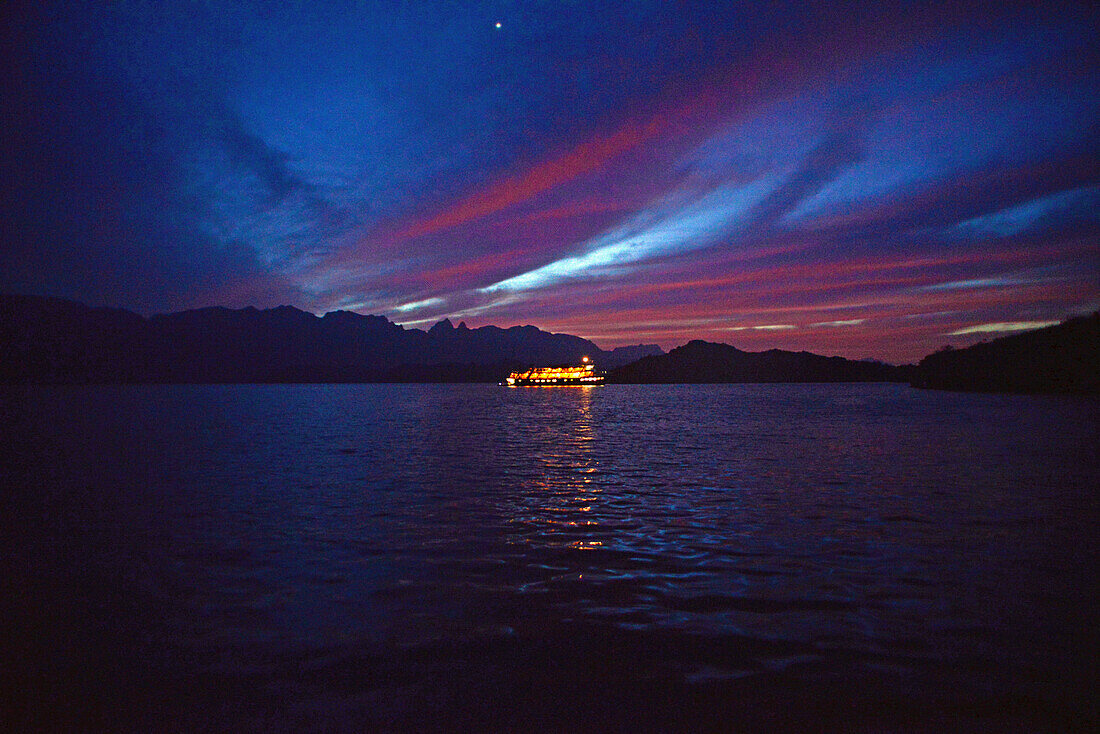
<point x="427" y="303"/>
<point x="841" y="322"/>
<point x="662" y="229"/>
<point x="954" y="285"/>
<point x="1081" y="204"/>
<point x="962" y="196"/>
<point x="1002" y="326"/>
<point x="251" y="154"/>
<point x="542" y="177"/>
<point x="835" y="152"/>
<point x="696" y="222"/>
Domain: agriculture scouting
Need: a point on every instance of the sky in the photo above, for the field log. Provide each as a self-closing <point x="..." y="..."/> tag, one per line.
<point x="867" y="180"/>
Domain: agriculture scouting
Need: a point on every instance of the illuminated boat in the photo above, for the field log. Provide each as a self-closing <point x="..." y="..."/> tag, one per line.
<point x="583" y="374"/>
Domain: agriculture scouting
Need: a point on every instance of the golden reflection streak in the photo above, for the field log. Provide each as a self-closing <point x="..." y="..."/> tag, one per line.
<point x="567" y="454"/>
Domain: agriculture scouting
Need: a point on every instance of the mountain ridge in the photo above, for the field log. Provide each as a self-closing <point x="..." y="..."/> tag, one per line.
<point x="54" y="340"/>
<point x="701" y="361"/>
<point x="46" y="339"/>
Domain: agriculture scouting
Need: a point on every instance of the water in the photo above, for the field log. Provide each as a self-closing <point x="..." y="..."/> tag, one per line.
<point x="425" y="557"/>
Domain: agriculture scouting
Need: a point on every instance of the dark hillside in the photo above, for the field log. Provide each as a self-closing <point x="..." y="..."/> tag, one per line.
<point x="707" y="362"/>
<point x="1058" y="359"/>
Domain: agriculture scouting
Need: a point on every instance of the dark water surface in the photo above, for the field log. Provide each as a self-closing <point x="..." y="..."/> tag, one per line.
<point x="425" y="557"/>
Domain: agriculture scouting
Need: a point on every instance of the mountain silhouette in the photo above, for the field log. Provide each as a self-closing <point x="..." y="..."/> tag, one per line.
<point x="1064" y="358"/>
<point x="56" y="340"/>
<point x="707" y="362"/>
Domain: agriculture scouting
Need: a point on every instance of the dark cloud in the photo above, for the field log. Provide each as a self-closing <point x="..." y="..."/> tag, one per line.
<point x="990" y="188"/>
<point x="251" y="154"/>
<point x="820" y="166"/>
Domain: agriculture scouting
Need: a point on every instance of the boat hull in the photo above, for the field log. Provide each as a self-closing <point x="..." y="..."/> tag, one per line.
<point x="551" y="382"/>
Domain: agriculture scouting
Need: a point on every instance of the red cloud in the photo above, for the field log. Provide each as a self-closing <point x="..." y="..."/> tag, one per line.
<point x="511" y="191"/>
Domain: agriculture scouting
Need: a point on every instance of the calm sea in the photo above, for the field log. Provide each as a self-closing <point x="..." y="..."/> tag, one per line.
<point x="470" y="557"/>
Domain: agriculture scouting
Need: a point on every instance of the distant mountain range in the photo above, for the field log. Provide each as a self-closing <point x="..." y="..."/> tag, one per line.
<point x="1064" y="358"/>
<point x="700" y="361"/>
<point x="56" y="340"/>
<point x="53" y="340"/>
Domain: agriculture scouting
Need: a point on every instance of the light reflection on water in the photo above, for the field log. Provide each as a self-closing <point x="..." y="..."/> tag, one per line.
<point x="364" y="549"/>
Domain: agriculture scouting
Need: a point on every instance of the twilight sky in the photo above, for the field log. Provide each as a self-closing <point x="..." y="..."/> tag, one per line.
<point x="869" y="182"/>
